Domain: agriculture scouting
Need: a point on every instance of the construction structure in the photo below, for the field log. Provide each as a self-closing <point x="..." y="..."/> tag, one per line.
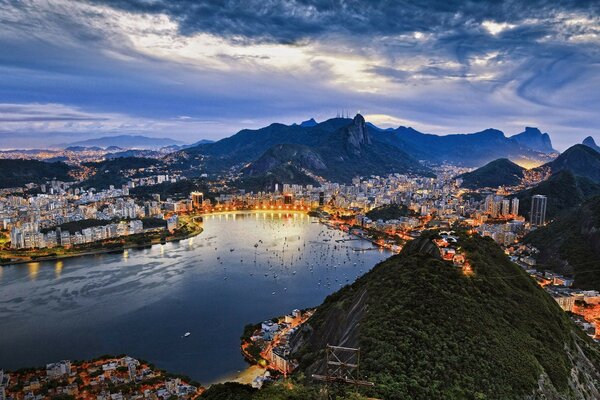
<point x="342" y="366"/>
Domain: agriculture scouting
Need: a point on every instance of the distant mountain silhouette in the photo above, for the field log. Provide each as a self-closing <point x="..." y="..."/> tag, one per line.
<point x="472" y="149"/>
<point x="309" y="123"/>
<point x="534" y="139"/>
<point x="589" y="142"/>
<point x="126" y="141"/>
<point x="344" y="153"/>
<point x="501" y="172"/>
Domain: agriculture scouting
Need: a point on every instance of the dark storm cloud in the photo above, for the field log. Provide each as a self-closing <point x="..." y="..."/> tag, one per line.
<point x="444" y="66"/>
<point x="286" y="21"/>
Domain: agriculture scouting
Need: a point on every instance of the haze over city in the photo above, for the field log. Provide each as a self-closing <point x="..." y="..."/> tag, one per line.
<point x="204" y="70"/>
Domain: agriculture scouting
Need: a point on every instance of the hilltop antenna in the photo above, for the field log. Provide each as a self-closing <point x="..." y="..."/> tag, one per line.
<point x="342" y="366"/>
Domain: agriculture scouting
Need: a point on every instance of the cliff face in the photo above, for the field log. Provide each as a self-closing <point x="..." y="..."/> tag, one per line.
<point x="427" y="331"/>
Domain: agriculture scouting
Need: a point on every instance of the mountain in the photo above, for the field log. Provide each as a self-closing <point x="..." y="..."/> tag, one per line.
<point x="471" y="150"/>
<point x="309" y="123"/>
<point x="337" y="149"/>
<point x="571" y="244"/>
<point x="117" y="171"/>
<point x="346" y="152"/>
<point x="501" y="172"/>
<point x="126" y="141"/>
<point x="589" y="141"/>
<point x="134" y="153"/>
<point x="17" y="173"/>
<point x="580" y="159"/>
<point x="564" y="190"/>
<point x="426" y="330"/>
<point x="533" y="138"/>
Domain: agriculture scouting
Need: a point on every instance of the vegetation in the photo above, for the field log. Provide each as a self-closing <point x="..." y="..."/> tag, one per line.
<point x="501" y="172"/>
<point x="429" y="331"/>
<point x="389" y="211"/>
<point x="117" y="171"/>
<point x="16" y="173"/>
<point x="571" y="244"/>
<point x="564" y="190"/>
<point x="176" y="190"/>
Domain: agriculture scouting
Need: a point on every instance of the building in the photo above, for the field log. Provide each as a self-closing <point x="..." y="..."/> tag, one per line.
<point x="515" y="206"/>
<point x="197" y="200"/>
<point x="537" y="217"/>
<point x="58" y="369"/>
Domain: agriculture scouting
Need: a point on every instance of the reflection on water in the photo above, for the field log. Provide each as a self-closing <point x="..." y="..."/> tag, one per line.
<point x="244" y="267"/>
<point x="58" y="268"/>
<point x="34" y="269"/>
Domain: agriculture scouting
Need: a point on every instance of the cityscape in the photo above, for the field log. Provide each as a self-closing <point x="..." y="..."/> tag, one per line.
<point x="181" y="218"/>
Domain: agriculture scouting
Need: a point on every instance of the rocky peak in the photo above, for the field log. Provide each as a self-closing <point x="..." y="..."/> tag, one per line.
<point x="357" y="134"/>
<point x="590" y="142"/>
<point x="534" y="139"/>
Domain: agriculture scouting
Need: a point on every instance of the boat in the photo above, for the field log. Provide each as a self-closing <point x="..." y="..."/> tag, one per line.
<point x="187" y="334"/>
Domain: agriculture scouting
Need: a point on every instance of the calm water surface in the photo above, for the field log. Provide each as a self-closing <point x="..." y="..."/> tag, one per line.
<point x="243" y="268"/>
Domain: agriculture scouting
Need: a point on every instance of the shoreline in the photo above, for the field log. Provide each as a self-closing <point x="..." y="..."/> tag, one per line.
<point x="103" y="251"/>
<point x="141" y="246"/>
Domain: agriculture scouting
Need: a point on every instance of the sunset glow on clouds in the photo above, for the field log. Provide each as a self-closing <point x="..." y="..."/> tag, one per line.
<point x="193" y="69"/>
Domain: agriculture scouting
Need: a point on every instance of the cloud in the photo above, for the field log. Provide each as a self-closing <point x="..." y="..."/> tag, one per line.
<point x="125" y="65"/>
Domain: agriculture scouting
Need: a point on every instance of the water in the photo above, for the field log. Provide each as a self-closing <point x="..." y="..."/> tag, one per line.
<point x="141" y="302"/>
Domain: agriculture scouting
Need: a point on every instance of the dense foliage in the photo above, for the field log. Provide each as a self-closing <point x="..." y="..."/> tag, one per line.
<point x="116" y="172"/>
<point x="564" y="190"/>
<point x="571" y="244"/>
<point x="431" y="332"/>
<point x="501" y="172"/>
<point x="16" y="173"/>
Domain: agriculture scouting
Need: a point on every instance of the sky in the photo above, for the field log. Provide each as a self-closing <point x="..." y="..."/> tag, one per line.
<point x="194" y="69"/>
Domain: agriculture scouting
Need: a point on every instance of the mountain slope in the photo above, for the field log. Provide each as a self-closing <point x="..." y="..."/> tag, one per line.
<point x="127" y="141"/>
<point x="563" y="190"/>
<point x="571" y="244"/>
<point x="590" y="142"/>
<point x="16" y="173"/>
<point x="346" y="152"/>
<point x="473" y="150"/>
<point x="426" y="331"/>
<point x="534" y="139"/>
<point x="501" y="172"/>
<point x="579" y="159"/>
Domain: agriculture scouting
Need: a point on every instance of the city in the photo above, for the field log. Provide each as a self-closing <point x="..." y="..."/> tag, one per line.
<point x="289" y="200"/>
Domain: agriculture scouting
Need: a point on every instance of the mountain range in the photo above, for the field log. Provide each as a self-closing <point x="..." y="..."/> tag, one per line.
<point x="341" y="148"/>
<point x="125" y="142"/>
<point x="474" y="149"/>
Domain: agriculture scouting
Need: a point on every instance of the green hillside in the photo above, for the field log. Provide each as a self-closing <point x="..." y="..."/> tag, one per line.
<point x="426" y="331"/>
<point x="571" y="244"/>
<point x="564" y="190"/>
<point x="501" y="172"/>
<point x="16" y="173"/>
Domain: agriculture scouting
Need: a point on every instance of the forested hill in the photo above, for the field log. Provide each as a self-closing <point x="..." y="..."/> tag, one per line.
<point x="17" y="173"/>
<point x="571" y="244"/>
<point x="427" y="331"/>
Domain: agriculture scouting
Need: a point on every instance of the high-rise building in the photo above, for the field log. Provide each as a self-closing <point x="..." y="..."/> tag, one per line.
<point x="514" y="206"/>
<point x="197" y="199"/>
<point x="538" y="210"/>
<point x="505" y="207"/>
<point x="321" y="198"/>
